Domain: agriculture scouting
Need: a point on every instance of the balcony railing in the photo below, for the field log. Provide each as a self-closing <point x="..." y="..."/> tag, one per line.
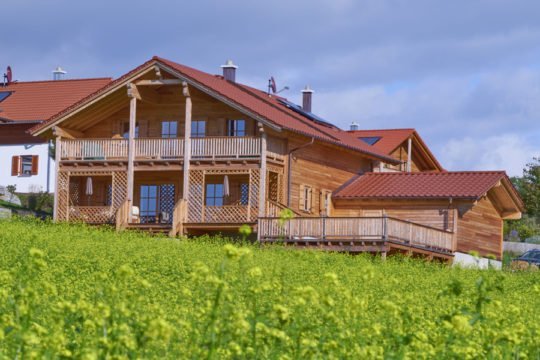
<point x="383" y="229"/>
<point x="158" y="148"/>
<point x="228" y="147"/>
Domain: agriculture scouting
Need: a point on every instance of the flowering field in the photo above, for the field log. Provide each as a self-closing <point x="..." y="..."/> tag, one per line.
<point x="74" y="291"/>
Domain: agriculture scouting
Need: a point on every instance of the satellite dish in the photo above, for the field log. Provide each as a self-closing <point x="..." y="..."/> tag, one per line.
<point x="9" y="75"/>
<point x="273" y="84"/>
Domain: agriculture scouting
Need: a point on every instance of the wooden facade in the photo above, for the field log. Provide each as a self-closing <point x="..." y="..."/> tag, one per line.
<point x="160" y="149"/>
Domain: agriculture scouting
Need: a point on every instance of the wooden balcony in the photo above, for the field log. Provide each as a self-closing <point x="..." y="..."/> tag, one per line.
<point x="225" y="147"/>
<point x="374" y="234"/>
<point x="208" y="148"/>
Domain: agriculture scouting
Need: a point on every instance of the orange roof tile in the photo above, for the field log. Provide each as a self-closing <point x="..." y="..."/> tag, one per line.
<point x="39" y="100"/>
<point x="390" y="138"/>
<point x="456" y="184"/>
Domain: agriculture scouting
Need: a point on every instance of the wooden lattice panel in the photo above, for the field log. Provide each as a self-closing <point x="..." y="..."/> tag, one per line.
<point x="196" y="195"/>
<point x="62" y="187"/>
<point x="74" y="193"/>
<point x="91" y="214"/>
<point x="226" y="214"/>
<point x="281" y="195"/>
<point x="119" y="188"/>
<point x="254" y="186"/>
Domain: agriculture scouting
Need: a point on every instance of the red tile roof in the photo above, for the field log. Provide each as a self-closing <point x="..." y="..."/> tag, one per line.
<point x="256" y="101"/>
<point x="39" y="100"/>
<point x="269" y="108"/>
<point x="390" y="138"/>
<point x="459" y="184"/>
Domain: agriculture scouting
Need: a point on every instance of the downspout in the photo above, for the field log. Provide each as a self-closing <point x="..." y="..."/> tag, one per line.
<point x="289" y="168"/>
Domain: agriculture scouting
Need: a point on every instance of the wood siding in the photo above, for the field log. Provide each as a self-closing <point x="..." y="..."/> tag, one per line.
<point x="480" y="229"/>
<point x="322" y="168"/>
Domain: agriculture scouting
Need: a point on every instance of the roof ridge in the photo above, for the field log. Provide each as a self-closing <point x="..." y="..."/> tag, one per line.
<point x="438" y="173"/>
<point x="393" y="129"/>
<point x="56" y="81"/>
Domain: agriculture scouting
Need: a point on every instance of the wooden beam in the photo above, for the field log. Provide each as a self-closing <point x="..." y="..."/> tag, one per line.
<point x="159" y="82"/>
<point x="187" y="140"/>
<point x="57" y="152"/>
<point x="133" y="92"/>
<point x="158" y="72"/>
<point x="131" y="150"/>
<point x="262" y="181"/>
<point x="67" y="133"/>
<point x="409" y="154"/>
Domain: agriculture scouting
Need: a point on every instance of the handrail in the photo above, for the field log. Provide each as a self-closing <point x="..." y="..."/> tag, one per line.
<point x="355" y="228"/>
<point x="225" y="147"/>
<point x="122" y="216"/>
<point x="179" y="218"/>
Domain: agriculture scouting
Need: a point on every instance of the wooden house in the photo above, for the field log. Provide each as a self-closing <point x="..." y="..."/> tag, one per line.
<point x="168" y="147"/>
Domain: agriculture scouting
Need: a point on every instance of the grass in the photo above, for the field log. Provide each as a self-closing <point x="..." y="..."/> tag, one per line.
<point x="75" y="291"/>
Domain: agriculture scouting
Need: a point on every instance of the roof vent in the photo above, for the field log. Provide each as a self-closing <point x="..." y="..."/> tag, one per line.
<point x="354" y="126"/>
<point x="229" y="71"/>
<point x="307" y="94"/>
<point x="59" y="73"/>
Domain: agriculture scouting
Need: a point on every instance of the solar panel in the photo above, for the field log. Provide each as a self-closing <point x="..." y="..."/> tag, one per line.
<point x="4" y="94"/>
<point x="370" y="140"/>
<point x="311" y="116"/>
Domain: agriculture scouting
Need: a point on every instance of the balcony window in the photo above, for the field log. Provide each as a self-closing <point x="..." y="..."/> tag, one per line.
<point x="169" y="129"/>
<point x="198" y="128"/>
<point x="125" y="130"/>
<point x="214" y="194"/>
<point x="236" y="127"/>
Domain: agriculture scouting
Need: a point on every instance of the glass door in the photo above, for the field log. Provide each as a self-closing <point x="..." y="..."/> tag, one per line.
<point x="149" y="203"/>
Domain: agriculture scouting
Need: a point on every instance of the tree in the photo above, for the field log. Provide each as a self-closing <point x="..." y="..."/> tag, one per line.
<point x="529" y="187"/>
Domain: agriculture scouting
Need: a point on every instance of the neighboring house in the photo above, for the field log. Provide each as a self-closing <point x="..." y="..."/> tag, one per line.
<point x="24" y="159"/>
<point x="168" y="147"/>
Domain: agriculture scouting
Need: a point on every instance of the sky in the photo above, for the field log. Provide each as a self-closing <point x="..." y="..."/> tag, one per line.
<point x="464" y="73"/>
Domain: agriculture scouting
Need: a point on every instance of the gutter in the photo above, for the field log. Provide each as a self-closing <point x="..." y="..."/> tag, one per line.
<point x="289" y="168"/>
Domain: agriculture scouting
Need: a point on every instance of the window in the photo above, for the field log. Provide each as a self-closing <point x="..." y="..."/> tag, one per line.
<point x="305" y="200"/>
<point x="244" y="194"/>
<point x="169" y="129"/>
<point x="24" y="165"/>
<point x="149" y="199"/>
<point x="325" y="202"/>
<point x="236" y="128"/>
<point x="125" y="130"/>
<point x="370" y="140"/>
<point x="214" y="194"/>
<point x="4" y="95"/>
<point x="198" y="128"/>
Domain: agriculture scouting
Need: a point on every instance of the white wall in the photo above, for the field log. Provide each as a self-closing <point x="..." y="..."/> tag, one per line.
<point x="26" y="183"/>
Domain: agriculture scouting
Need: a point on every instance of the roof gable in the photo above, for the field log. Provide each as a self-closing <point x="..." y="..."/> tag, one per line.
<point x="252" y="102"/>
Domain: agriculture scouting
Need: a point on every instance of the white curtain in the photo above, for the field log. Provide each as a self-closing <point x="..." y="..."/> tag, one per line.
<point x="226" y="190"/>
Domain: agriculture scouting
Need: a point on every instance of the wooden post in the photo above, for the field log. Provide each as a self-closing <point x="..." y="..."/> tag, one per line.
<point x="187" y="140"/>
<point x="262" y="184"/>
<point x="131" y="148"/>
<point x="455" y="229"/>
<point x="57" y="155"/>
<point x="409" y="152"/>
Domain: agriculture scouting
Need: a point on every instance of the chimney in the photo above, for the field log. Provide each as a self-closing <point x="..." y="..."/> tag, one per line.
<point x="306" y="98"/>
<point x="59" y="73"/>
<point x="229" y="71"/>
<point x="354" y="126"/>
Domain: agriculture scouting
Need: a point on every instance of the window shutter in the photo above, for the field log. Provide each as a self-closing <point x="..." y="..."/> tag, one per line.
<point x="301" y="197"/>
<point x="15" y="166"/>
<point x="117" y="127"/>
<point x="143" y="128"/>
<point x="322" y="201"/>
<point x="35" y="159"/>
<point x="310" y="200"/>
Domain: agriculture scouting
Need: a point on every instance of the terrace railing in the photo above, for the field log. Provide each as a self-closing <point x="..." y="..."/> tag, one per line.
<point x="159" y="148"/>
<point x="331" y="229"/>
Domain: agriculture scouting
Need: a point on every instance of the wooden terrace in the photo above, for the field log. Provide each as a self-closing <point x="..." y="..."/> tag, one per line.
<point x="359" y="234"/>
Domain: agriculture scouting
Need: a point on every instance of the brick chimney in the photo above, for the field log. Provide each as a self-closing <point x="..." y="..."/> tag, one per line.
<point x="306" y="98"/>
<point x="229" y="71"/>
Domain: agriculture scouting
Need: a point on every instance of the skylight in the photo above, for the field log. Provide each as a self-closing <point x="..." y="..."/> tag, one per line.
<point x="4" y="94"/>
<point x="370" y="140"/>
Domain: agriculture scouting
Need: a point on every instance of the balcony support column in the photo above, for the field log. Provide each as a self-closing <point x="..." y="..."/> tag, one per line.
<point x="132" y="94"/>
<point x="187" y="140"/>
<point x="57" y="155"/>
<point x="262" y="184"/>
